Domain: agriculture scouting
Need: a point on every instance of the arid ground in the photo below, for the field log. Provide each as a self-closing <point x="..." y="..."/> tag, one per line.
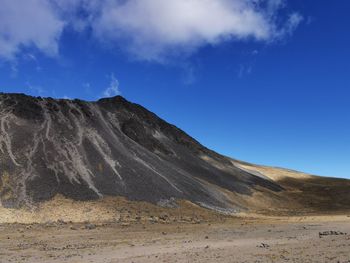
<point x="288" y="239"/>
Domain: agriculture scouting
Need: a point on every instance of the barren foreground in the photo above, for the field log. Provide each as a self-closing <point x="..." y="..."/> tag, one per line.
<point x="312" y="239"/>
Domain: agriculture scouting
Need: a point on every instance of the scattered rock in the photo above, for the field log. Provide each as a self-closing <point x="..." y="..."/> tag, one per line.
<point x="164" y="217"/>
<point x="50" y="223"/>
<point x="61" y="222"/>
<point x="263" y="245"/>
<point x="331" y="233"/>
<point x="153" y="219"/>
<point x="168" y="203"/>
<point x="196" y="221"/>
<point x="90" y="226"/>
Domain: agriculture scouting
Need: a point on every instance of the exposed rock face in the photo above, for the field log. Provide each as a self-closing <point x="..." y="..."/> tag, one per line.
<point x="87" y="150"/>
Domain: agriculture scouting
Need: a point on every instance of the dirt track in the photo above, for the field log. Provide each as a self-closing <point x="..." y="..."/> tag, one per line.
<point x="236" y="240"/>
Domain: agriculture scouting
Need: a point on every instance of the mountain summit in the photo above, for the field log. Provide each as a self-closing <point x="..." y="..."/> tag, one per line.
<point x="112" y="147"/>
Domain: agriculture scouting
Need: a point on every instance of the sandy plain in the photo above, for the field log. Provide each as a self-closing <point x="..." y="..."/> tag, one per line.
<point x="239" y="239"/>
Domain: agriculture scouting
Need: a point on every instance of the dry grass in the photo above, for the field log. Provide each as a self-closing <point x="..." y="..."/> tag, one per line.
<point x="303" y="194"/>
<point x="273" y="173"/>
<point x="109" y="209"/>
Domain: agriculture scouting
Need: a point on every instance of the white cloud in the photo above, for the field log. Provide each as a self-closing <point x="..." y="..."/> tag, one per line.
<point x="78" y="14"/>
<point x="30" y="23"/>
<point x="113" y="88"/>
<point x="157" y="29"/>
<point x="153" y="30"/>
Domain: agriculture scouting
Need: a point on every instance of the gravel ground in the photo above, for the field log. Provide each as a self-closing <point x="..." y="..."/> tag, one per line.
<point x="234" y="240"/>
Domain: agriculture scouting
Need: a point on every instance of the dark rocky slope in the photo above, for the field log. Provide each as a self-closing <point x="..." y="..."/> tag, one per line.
<point x="88" y="150"/>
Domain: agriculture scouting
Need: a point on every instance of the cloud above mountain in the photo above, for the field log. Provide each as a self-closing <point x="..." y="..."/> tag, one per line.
<point x="113" y="88"/>
<point x="152" y="30"/>
<point x="30" y="23"/>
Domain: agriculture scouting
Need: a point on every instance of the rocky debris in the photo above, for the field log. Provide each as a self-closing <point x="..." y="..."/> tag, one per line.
<point x="164" y="217"/>
<point x="264" y="245"/>
<point x="90" y="226"/>
<point x="49" y="223"/>
<point x="153" y="219"/>
<point x="61" y="222"/>
<point x="168" y="203"/>
<point x="331" y="233"/>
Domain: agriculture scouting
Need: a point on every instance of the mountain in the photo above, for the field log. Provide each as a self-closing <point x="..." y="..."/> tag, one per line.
<point x="112" y="147"/>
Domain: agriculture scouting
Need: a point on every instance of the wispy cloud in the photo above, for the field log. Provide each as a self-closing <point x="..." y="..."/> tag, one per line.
<point x="87" y="88"/>
<point x="292" y="23"/>
<point x="244" y="70"/>
<point x="189" y="74"/>
<point x="14" y="69"/>
<point x="32" y="58"/>
<point x="37" y="90"/>
<point x="113" y="88"/>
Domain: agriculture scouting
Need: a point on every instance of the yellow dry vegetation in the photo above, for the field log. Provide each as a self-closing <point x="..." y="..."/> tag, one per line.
<point x="6" y="189"/>
<point x="108" y="209"/>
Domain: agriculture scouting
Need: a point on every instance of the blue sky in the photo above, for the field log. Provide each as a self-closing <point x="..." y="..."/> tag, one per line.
<point x="265" y="81"/>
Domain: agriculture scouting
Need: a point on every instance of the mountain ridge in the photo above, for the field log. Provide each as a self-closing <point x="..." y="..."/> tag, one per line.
<point x="112" y="147"/>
